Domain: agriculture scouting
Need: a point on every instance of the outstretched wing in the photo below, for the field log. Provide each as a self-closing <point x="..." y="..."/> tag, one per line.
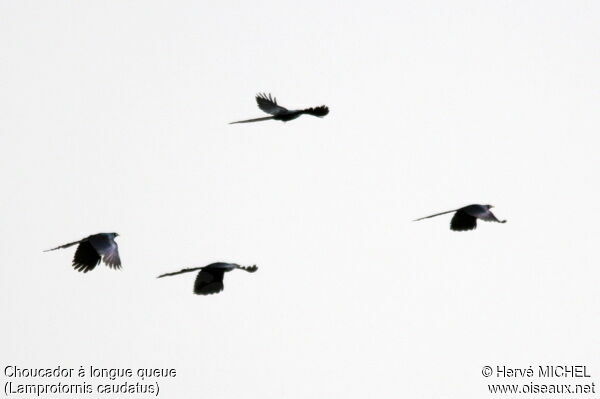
<point x="268" y="104"/>
<point x="462" y="221"/>
<point x="482" y="213"/>
<point x="209" y="281"/>
<point x="86" y="257"/>
<point x="490" y="217"/>
<point x="108" y="249"/>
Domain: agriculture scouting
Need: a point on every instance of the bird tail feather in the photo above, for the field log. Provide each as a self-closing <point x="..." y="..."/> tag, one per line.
<point x="63" y="246"/>
<point x="437" y="214"/>
<point x="266" y="118"/>
<point x="193" y="269"/>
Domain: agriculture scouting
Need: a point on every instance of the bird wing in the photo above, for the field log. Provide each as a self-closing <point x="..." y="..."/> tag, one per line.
<point x="462" y="221"/>
<point x="269" y="104"/>
<point x="209" y="281"/>
<point x="86" y="257"/>
<point x="108" y="249"/>
<point x="221" y="265"/>
<point x="490" y="217"/>
<point x="483" y="214"/>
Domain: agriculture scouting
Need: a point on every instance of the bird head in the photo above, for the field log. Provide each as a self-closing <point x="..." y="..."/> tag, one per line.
<point x="251" y="269"/>
<point x="115" y="234"/>
<point x="320" y="111"/>
<point x="489" y="206"/>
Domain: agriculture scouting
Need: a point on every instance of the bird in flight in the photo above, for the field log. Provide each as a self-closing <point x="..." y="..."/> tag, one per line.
<point x="269" y="105"/>
<point x="92" y="249"/>
<point x="466" y="217"/>
<point x="210" y="279"/>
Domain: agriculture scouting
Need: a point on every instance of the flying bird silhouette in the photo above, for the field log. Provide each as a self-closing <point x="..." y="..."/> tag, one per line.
<point x="210" y="279"/>
<point x="92" y="249"/>
<point x="466" y="217"/>
<point x="270" y="106"/>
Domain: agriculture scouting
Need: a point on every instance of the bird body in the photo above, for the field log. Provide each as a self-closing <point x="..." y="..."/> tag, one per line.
<point x="466" y="217"/>
<point x="268" y="104"/>
<point x="210" y="278"/>
<point x="92" y="249"/>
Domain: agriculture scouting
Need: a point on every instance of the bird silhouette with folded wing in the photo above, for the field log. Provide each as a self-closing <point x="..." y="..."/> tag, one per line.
<point x="210" y="278"/>
<point x="466" y="217"/>
<point x="268" y="104"/>
<point x="92" y="249"/>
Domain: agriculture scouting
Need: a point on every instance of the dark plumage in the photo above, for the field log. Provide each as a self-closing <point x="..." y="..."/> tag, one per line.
<point x="210" y="278"/>
<point x="466" y="217"/>
<point x="92" y="249"/>
<point x="268" y="104"/>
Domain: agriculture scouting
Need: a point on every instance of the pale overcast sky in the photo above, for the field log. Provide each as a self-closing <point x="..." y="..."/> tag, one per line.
<point x="115" y="118"/>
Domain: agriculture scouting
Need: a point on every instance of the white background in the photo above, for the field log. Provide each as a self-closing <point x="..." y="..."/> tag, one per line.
<point x="115" y="118"/>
